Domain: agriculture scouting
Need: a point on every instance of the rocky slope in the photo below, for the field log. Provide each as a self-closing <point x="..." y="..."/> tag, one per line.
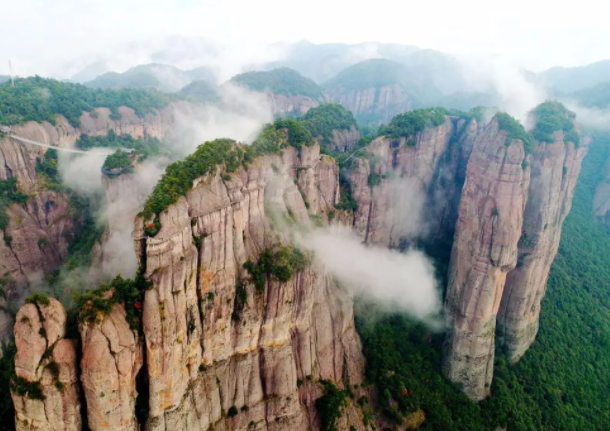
<point x="286" y="104"/>
<point x="220" y="351"/>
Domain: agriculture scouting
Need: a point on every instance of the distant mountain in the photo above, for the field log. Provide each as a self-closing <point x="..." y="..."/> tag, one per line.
<point x="597" y="96"/>
<point x="200" y="91"/>
<point x="566" y="80"/>
<point x="377" y="90"/>
<point x="288" y="91"/>
<point x="161" y="77"/>
<point x="91" y="72"/>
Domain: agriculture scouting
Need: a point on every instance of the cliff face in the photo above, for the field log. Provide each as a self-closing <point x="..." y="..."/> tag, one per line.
<point x="345" y="139"/>
<point x="45" y="391"/>
<point x="381" y="103"/>
<point x="248" y="353"/>
<point x="282" y="104"/>
<point x="400" y="179"/>
<point x="554" y="171"/>
<point x="41" y="230"/>
<point x="218" y="351"/>
<point x="507" y="235"/>
<point x="484" y="251"/>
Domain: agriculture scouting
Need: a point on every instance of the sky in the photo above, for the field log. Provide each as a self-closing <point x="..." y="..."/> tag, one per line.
<point x="59" y="38"/>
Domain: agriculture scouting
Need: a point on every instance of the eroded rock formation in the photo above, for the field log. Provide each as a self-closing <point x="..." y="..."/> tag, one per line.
<point x="554" y="171"/>
<point x="484" y="251"/>
<point x="45" y="390"/>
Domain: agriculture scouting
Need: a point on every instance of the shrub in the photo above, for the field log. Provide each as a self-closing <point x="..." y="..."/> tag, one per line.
<point x="118" y="160"/>
<point x="514" y="131"/>
<point x="39" y="299"/>
<point x="232" y="411"/>
<point x="330" y="405"/>
<point x="412" y="122"/>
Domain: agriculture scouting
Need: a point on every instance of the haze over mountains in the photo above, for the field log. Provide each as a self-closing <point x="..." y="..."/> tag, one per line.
<point x="317" y="236"/>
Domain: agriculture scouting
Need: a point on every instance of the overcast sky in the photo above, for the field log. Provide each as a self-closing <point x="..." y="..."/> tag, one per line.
<point x="57" y="38"/>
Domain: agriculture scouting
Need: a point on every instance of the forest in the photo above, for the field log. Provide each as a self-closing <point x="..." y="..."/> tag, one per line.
<point x="280" y="81"/>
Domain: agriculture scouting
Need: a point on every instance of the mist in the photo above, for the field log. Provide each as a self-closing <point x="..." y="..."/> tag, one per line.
<point x="398" y="282"/>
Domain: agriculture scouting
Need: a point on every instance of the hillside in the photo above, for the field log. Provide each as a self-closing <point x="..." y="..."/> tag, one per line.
<point x="40" y="99"/>
<point x="279" y="81"/>
<point x="199" y="91"/>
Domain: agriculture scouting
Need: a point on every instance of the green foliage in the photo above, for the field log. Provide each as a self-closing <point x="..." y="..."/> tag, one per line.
<point x="330" y="406"/>
<point x="37" y="298"/>
<point x="322" y="120"/>
<point x="39" y="99"/>
<point x="47" y="168"/>
<point x="561" y="384"/>
<point x="95" y="304"/>
<point x="551" y="117"/>
<point x="232" y="412"/>
<point x="374" y="179"/>
<point x="279" y="81"/>
<point x="279" y="263"/>
<point x="118" y="160"/>
<point x="179" y="176"/>
<point x="199" y="91"/>
<point x="515" y="131"/>
<point x="25" y="388"/>
<point x="144" y="147"/>
<point x="9" y="193"/>
<point x="412" y="122"/>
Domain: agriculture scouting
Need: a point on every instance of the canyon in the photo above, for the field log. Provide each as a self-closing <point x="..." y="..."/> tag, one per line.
<point x="212" y="346"/>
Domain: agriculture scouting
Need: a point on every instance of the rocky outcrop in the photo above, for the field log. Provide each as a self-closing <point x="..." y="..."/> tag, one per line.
<point x="344" y="139"/>
<point x="487" y="232"/>
<point x="220" y="352"/>
<point x="111" y="359"/>
<point x="379" y="104"/>
<point x="554" y="171"/>
<point x="45" y="387"/>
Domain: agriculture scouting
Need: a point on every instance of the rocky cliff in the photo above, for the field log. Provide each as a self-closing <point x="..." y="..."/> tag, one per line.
<point x="344" y="139"/>
<point x="398" y="180"/>
<point x="286" y="104"/>
<point x="484" y="251"/>
<point x="554" y="171"/>
<point x="513" y="204"/>
<point x="377" y="104"/>
<point x="224" y="348"/>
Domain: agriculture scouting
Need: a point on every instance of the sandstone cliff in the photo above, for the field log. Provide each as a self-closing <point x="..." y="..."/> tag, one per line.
<point x="554" y="171"/>
<point x="484" y="251"/>
<point x="283" y="104"/>
<point x="220" y="349"/>
<point x="379" y="105"/>
<point x="345" y="139"/>
<point x="397" y="181"/>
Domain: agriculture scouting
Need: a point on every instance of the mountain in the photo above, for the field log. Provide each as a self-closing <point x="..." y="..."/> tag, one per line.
<point x="199" y="91"/>
<point x="565" y="80"/>
<point x="288" y="91"/>
<point x="377" y="90"/>
<point x="161" y="77"/>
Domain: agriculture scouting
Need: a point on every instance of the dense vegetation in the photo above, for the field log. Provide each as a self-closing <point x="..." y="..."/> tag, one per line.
<point x="117" y="160"/>
<point x="179" y="176"/>
<point x="279" y="81"/>
<point x="551" y="117"/>
<point x="409" y="123"/>
<point x="561" y="384"/>
<point x="279" y="263"/>
<point x="515" y="131"/>
<point x="322" y="120"/>
<point x="39" y="99"/>
<point x="597" y="96"/>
